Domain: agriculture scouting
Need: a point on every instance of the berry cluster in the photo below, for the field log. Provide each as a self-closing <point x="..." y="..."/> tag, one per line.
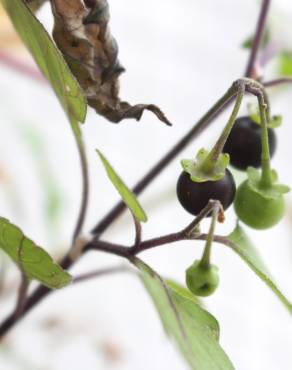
<point x="258" y="201"/>
<point x="244" y="148"/>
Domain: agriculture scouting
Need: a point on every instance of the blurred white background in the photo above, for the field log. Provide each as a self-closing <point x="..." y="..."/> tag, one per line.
<point x="181" y="56"/>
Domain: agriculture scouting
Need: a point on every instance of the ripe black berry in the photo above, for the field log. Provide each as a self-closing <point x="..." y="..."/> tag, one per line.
<point x="194" y="196"/>
<point x="244" y="143"/>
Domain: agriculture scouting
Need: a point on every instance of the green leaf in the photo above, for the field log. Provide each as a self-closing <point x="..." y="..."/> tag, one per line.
<point x="194" y="330"/>
<point x="203" y="169"/>
<point x="183" y="291"/>
<point x="240" y="244"/>
<point x="285" y="64"/>
<point x="128" y="197"/>
<point x="35" y="261"/>
<point x="48" y="58"/>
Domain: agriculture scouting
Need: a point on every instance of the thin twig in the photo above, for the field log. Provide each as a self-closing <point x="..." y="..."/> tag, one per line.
<point x="85" y="192"/>
<point x="21" y="297"/>
<point x="188" y="233"/>
<point x="260" y="27"/>
<point x="204" y="213"/>
<point x="277" y="82"/>
<point x="138" y="232"/>
<point x="24" y="283"/>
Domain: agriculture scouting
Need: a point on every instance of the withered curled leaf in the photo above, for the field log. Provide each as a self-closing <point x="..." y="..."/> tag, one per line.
<point x="81" y="32"/>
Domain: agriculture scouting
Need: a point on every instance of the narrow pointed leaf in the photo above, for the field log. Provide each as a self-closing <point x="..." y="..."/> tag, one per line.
<point x="128" y="197"/>
<point x="194" y="330"/>
<point x="34" y="261"/>
<point x="239" y="242"/>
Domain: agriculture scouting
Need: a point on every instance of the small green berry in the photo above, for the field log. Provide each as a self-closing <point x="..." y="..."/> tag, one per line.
<point x="255" y="210"/>
<point x="202" y="280"/>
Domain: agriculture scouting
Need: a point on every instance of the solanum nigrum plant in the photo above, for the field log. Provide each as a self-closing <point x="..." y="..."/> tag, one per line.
<point x="244" y="143"/>
<point x="80" y="61"/>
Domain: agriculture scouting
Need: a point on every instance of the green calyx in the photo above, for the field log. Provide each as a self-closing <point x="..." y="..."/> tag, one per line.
<point x="211" y="166"/>
<point x="202" y="280"/>
<point x="260" y="205"/>
<point x="205" y="167"/>
<point x="273" y="190"/>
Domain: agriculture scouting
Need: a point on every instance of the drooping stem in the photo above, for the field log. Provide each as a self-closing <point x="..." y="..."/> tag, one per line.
<point x="205" y="260"/>
<point x="266" y="178"/>
<point x="218" y="147"/>
<point x="260" y="27"/>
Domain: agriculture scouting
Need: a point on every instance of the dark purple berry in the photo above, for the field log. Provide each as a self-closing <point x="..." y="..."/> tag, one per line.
<point x="244" y="143"/>
<point x="194" y="196"/>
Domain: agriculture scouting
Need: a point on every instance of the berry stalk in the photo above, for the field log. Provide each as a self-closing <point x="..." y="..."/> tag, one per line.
<point x="205" y="260"/>
<point x="218" y="147"/>
<point x="266" y="178"/>
<point x="214" y="154"/>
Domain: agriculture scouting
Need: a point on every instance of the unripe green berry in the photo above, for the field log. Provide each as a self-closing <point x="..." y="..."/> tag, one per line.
<point x="201" y="280"/>
<point x="255" y="210"/>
